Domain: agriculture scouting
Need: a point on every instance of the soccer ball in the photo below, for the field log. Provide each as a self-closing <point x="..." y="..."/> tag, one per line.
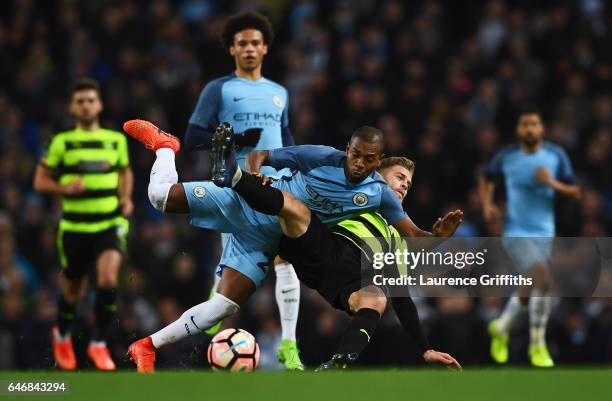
<point x="235" y="350"/>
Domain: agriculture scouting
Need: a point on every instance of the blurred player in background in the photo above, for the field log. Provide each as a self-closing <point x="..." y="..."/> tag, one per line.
<point x="89" y="168"/>
<point x="534" y="171"/>
<point x="257" y="108"/>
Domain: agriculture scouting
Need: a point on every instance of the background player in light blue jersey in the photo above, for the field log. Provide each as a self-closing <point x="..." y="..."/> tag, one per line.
<point x="533" y="171"/>
<point x="257" y="108"/>
<point x="334" y="184"/>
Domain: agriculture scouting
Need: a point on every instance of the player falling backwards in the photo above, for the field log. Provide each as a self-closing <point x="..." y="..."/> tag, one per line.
<point x="334" y="184"/>
<point x="257" y="107"/>
<point x="330" y="261"/>
<point x="534" y="171"/>
<point x="89" y="167"/>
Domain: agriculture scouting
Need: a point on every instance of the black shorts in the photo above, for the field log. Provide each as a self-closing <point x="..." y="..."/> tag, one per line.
<point x="79" y="251"/>
<point x="326" y="262"/>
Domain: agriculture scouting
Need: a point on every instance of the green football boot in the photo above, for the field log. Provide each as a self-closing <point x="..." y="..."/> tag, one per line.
<point x="499" y="343"/>
<point x="540" y="357"/>
<point x="289" y="355"/>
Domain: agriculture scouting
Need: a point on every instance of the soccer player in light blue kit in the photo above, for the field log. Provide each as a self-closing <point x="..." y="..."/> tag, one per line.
<point x="533" y="171"/>
<point x="257" y="108"/>
<point x="332" y="183"/>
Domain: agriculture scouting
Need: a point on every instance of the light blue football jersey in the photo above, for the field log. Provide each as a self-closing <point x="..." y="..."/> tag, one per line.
<point x="245" y="104"/>
<point x="530" y="204"/>
<point x="319" y="181"/>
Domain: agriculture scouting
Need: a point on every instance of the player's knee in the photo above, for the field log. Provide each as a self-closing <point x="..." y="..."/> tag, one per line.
<point x="72" y="294"/>
<point x="107" y="280"/>
<point x="158" y="194"/>
<point x="542" y="277"/>
<point x="292" y="206"/>
<point x="379" y="304"/>
<point x="369" y="297"/>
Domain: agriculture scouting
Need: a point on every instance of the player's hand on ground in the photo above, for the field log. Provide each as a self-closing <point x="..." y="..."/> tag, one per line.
<point x="490" y="212"/>
<point x="74" y="188"/>
<point x="447" y="225"/>
<point x="127" y="206"/>
<point x="543" y="175"/>
<point x="432" y="356"/>
<point x="265" y="180"/>
<point x="249" y="137"/>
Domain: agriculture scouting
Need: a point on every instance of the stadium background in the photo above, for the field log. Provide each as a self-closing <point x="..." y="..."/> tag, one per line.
<point x="443" y="80"/>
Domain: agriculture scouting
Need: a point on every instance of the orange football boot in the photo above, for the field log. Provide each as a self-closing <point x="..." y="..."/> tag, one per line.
<point x="151" y="136"/>
<point x="142" y="353"/>
<point x="100" y="356"/>
<point x="63" y="351"/>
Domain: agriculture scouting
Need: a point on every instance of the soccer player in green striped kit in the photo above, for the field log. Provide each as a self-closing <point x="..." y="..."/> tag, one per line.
<point x="88" y="167"/>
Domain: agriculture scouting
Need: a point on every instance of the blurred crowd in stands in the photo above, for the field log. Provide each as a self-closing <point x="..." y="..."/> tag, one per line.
<point x="443" y="80"/>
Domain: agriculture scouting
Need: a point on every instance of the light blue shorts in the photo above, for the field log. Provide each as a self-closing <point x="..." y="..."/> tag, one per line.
<point x="528" y="252"/>
<point x="253" y="243"/>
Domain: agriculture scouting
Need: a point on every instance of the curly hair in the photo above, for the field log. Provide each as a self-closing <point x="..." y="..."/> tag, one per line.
<point x="244" y="21"/>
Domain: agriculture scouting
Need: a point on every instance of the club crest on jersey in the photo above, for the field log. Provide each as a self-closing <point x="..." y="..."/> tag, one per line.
<point x="199" y="192"/>
<point x="277" y="101"/>
<point x="360" y="199"/>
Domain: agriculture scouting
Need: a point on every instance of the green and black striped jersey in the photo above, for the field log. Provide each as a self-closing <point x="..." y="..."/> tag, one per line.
<point x="96" y="157"/>
<point x="371" y="233"/>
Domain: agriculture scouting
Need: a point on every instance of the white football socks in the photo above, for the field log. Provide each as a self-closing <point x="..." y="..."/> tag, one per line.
<point x="163" y="176"/>
<point x="513" y="309"/>
<point x="539" y="312"/>
<point x="287" y="298"/>
<point x="196" y="319"/>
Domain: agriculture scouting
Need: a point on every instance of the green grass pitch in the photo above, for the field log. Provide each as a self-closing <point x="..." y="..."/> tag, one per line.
<point x="380" y="385"/>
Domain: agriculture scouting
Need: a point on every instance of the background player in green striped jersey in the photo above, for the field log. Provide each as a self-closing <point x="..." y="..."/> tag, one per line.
<point x="88" y="167"/>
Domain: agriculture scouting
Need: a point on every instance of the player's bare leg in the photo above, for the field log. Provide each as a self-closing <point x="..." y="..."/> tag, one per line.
<point x="294" y="217"/>
<point x="73" y="290"/>
<point x="105" y="308"/>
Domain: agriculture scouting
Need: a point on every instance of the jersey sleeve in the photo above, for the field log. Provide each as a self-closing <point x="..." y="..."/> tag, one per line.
<point x="55" y="151"/>
<point x="304" y="157"/>
<point x="390" y="207"/>
<point x="494" y="171"/>
<point x="124" y="157"/>
<point x="205" y="113"/>
<point x="565" y="172"/>
<point x="286" y="135"/>
<point x="285" y="115"/>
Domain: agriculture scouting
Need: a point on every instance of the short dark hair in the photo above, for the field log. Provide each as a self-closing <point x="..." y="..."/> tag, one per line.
<point x="397" y="161"/>
<point x="370" y="135"/>
<point x="244" y="21"/>
<point x="85" y="84"/>
<point x="529" y="109"/>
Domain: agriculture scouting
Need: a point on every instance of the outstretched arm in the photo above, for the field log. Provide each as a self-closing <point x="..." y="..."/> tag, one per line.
<point x="409" y="318"/>
<point x="299" y="157"/>
<point x="443" y="227"/>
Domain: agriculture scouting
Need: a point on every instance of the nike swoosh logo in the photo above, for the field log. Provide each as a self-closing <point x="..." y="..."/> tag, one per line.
<point x="366" y="333"/>
<point x="237" y="99"/>
<point x="289" y="290"/>
<point x="194" y="323"/>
